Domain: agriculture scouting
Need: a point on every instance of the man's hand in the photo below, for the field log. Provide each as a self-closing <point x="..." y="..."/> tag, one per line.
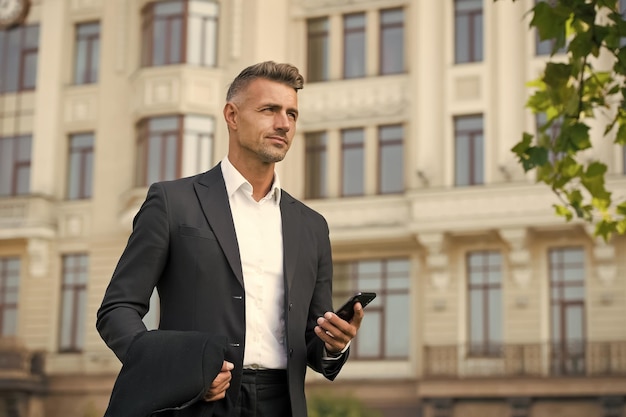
<point x="336" y="332"/>
<point x="220" y="384"/>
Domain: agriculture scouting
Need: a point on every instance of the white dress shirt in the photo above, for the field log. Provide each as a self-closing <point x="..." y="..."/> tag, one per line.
<point x="260" y="237"/>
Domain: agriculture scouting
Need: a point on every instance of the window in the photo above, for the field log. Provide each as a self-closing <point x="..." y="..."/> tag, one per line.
<point x="567" y="310"/>
<point x="391" y="41"/>
<point x="87" y="58"/>
<point x="353" y="162"/>
<point x="15" y="165"/>
<point x="170" y="147"/>
<point x="354" y="45"/>
<point x="315" y="165"/>
<point x="317" y="49"/>
<point x="391" y="167"/>
<point x="385" y="332"/>
<point x="469" y="164"/>
<point x="19" y="50"/>
<point x="73" y="302"/>
<point x="80" y="166"/>
<point x="546" y="47"/>
<point x="9" y="291"/>
<point x="468" y="25"/>
<point x="180" y="31"/>
<point x="484" y="290"/>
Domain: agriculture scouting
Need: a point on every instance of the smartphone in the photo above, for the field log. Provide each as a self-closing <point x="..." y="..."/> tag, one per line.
<point x="346" y="311"/>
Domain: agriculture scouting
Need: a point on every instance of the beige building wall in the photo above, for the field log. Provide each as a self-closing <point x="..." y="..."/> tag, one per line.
<point x="433" y="223"/>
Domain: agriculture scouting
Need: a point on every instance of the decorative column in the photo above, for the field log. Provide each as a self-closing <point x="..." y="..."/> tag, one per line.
<point x="437" y="263"/>
<point x="519" y="260"/>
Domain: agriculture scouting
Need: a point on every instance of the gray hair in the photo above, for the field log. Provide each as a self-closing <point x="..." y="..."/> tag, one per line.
<point x="283" y="73"/>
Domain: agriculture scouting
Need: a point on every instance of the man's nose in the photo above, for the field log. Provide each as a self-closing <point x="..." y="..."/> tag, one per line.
<point x="281" y="122"/>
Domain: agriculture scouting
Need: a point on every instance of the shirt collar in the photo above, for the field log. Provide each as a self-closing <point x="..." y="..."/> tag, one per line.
<point x="235" y="181"/>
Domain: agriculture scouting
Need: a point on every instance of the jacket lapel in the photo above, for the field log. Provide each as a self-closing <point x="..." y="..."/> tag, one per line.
<point x="291" y="223"/>
<point x="211" y="192"/>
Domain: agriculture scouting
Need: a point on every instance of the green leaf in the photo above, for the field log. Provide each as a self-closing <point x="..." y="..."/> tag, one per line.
<point x="563" y="212"/>
<point x="620" y="138"/>
<point x="578" y="135"/>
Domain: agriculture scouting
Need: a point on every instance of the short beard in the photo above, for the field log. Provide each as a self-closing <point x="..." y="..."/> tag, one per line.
<point x="269" y="157"/>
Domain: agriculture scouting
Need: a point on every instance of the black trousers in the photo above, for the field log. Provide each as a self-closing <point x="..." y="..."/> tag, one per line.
<point x="264" y="393"/>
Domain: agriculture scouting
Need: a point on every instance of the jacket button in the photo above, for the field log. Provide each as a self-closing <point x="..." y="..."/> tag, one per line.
<point x="290" y="352"/>
<point x="290" y="305"/>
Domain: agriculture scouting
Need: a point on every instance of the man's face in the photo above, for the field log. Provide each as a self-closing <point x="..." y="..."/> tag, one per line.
<point x="263" y="120"/>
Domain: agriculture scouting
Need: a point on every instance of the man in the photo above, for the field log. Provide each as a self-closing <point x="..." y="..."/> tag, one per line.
<point x="235" y="257"/>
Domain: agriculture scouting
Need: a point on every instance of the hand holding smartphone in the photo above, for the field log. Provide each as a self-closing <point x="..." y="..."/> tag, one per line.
<point x="346" y="311"/>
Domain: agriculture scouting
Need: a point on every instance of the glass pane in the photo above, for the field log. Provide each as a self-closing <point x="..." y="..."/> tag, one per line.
<point x="368" y="342"/>
<point x="477" y="38"/>
<point x="30" y="70"/>
<point x="476" y="309"/>
<point x="354" y="46"/>
<point x="574" y="293"/>
<point x="176" y="39"/>
<point x="574" y="319"/>
<point x="396" y="326"/>
<point x="80" y="65"/>
<point x="468" y="5"/>
<point x="13" y="61"/>
<point x="353" y="163"/>
<point x="461" y="159"/>
<point x="95" y="61"/>
<point x="317" y="49"/>
<point x="159" y="42"/>
<point x="9" y="322"/>
<point x="73" y="177"/>
<point x="167" y="8"/>
<point x="154" y="159"/>
<point x="556" y="322"/>
<point x="67" y="310"/>
<point x="479" y="160"/>
<point x="461" y="39"/>
<point x="170" y="158"/>
<point x="392" y="169"/>
<point x="23" y="180"/>
<point x="495" y="316"/>
<point x="163" y="124"/>
<point x="468" y="123"/>
<point x="392" y="50"/>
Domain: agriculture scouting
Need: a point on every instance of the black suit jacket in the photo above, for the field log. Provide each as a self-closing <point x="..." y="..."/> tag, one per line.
<point x="184" y="243"/>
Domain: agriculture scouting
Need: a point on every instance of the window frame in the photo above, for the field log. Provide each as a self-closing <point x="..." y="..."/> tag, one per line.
<point x="343" y="169"/>
<point x="380" y="305"/>
<point x="24" y="51"/>
<point x="383" y="27"/>
<point x="472" y="135"/>
<point x="486" y="346"/>
<point x="317" y="152"/>
<point x="91" y="70"/>
<point x="18" y="164"/>
<point x="5" y="289"/>
<point x="560" y="357"/>
<point x="74" y="291"/>
<point x="84" y="190"/>
<point x="472" y="35"/>
<point x="321" y="73"/>
<point x="347" y="33"/>
<point x="385" y="145"/>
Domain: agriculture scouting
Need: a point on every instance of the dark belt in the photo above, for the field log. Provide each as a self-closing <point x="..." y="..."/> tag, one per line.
<point x="264" y="376"/>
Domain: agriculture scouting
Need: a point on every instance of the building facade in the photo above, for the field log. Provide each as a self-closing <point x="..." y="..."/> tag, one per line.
<point x="488" y="304"/>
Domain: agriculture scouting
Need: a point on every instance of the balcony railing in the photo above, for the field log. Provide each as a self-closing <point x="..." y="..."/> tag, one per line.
<point x="579" y="358"/>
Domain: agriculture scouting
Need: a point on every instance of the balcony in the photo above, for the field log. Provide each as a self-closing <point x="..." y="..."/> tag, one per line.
<point x="573" y="359"/>
<point x="20" y="368"/>
<point x="27" y="217"/>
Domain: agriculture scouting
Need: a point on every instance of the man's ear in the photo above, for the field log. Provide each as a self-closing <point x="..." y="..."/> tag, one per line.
<point x="230" y="115"/>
